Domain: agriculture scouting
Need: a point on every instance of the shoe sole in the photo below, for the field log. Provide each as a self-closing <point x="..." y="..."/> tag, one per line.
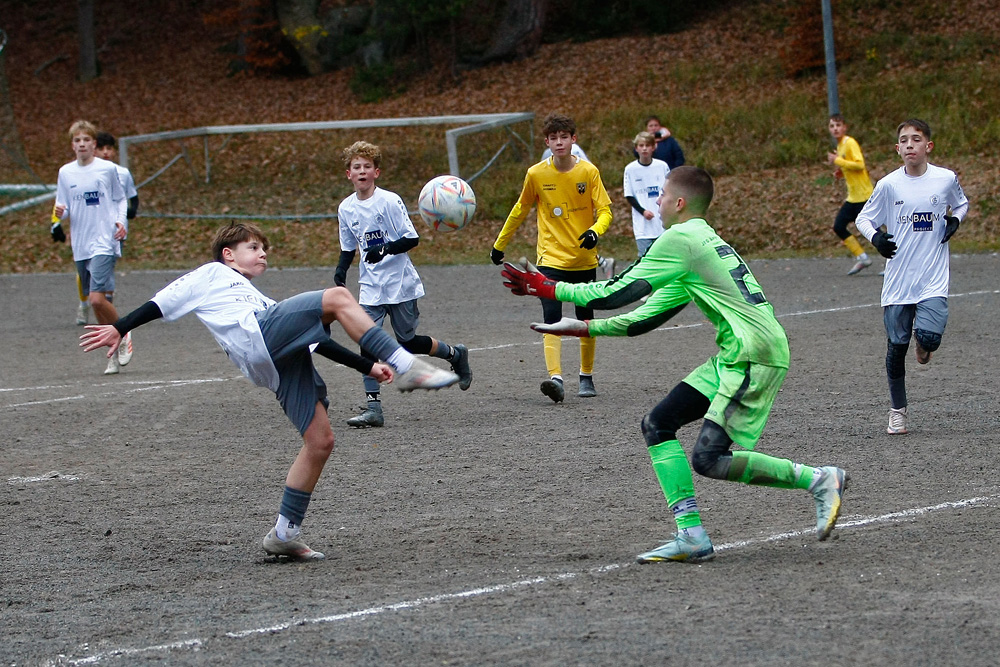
<point x="831" y="521"/>
<point x="698" y="557"/>
<point x="366" y="425"/>
<point x="587" y="394"/>
<point x="552" y="389"/>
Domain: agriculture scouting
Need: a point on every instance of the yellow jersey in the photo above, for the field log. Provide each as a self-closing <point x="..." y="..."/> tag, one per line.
<point x="568" y="204"/>
<point x="852" y="165"/>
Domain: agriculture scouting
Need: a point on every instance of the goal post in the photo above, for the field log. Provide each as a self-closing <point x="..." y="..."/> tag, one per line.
<point x="471" y="123"/>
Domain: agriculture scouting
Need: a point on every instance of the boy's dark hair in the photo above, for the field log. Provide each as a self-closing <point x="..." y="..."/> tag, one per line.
<point x="235" y="233"/>
<point x="839" y="117"/>
<point x="649" y="118"/>
<point x="916" y="124"/>
<point x="695" y="185"/>
<point x="555" y="122"/>
<point x="365" y="150"/>
<point x="106" y="139"/>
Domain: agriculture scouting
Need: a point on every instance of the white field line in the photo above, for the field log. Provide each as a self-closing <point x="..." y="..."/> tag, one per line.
<point x="178" y="383"/>
<point x="499" y="589"/>
<point x="118" y="391"/>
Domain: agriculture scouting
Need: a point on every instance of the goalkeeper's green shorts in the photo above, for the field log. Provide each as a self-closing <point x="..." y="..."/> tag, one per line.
<point x="741" y="393"/>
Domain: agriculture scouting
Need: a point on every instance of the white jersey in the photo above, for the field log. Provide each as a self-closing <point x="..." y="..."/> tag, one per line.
<point x="574" y="150"/>
<point x="226" y="303"/>
<point x="644" y="183"/>
<point x="128" y="183"/>
<point x="912" y="210"/>
<point x="95" y="201"/>
<point x="369" y="223"/>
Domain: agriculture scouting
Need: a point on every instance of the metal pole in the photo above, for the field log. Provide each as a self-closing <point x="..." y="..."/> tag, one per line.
<point x="832" y="99"/>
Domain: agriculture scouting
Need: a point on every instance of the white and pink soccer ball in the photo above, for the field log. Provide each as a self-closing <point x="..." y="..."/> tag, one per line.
<point x="447" y="203"/>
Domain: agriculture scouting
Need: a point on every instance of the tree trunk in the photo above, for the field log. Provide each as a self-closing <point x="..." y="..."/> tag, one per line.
<point x="301" y="26"/>
<point x="520" y="32"/>
<point x="88" y="48"/>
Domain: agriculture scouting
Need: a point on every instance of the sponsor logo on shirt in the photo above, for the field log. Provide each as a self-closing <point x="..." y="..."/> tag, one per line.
<point x="653" y="191"/>
<point x="921" y="222"/>
<point x="898" y="203"/>
<point x="373" y="239"/>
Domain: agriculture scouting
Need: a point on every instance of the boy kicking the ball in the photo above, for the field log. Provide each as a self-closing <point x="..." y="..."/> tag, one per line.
<point x="376" y="221"/>
<point x="733" y="391"/>
<point x="271" y="343"/>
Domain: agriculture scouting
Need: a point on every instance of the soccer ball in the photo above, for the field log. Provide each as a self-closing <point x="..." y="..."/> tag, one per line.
<point x="447" y="203"/>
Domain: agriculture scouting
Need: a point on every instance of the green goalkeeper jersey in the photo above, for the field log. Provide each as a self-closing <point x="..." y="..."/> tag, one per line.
<point x="689" y="262"/>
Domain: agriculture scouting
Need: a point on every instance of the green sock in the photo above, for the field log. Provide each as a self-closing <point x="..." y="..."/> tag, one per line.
<point x="674" y="474"/>
<point x="763" y="470"/>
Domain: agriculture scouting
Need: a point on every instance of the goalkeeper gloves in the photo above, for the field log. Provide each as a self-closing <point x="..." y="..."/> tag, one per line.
<point x="58" y="235"/>
<point x="567" y="326"/>
<point x="951" y="226"/>
<point x="528" y="281"/>
<point x="884" y="244"/>
<point x="589" y="239"/>
<point x="496" y="256"/>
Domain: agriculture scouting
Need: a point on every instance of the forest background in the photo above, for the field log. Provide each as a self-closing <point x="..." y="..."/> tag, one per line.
<point x="740" y="84"/>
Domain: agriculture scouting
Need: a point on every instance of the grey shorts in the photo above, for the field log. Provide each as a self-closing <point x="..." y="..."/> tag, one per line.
<point x="404" y="318"/>
<point x="930" y="316"/>
<point x="289" y="328"/>
<point x="97" y="274"/>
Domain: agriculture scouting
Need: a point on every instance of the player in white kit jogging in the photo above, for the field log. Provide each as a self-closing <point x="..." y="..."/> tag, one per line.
<point x="921" y="206"/>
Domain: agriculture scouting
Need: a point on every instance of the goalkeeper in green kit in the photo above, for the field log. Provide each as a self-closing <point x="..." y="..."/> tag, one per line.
<point x="733" y="391"/>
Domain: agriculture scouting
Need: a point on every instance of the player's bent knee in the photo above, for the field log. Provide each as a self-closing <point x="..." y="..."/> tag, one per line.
<point x="655" y="432"/>
<point x="711" y="456"/>
<point x="928" y="340"/>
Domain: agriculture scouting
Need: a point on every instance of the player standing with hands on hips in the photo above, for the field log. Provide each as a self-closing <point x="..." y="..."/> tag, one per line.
<point x="733" y="391"/>
<point x="921" y="206"/>
<point x="573" y="210"/>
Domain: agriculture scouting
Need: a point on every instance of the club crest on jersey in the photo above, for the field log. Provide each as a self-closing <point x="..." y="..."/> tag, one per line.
<point x="581" y="188"/>
<point x="935" y="200"/>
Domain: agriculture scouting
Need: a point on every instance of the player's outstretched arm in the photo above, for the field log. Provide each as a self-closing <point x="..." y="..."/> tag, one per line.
<point x="567" y="326"/>
<point x="109" y="335"/>
<point x="100" y="335"/>
<point x="527" y="281"/>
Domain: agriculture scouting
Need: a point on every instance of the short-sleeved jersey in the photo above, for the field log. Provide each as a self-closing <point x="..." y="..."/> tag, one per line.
<point x="690" y="262"/>
<point x="851" y="161"/>
<point x="567" y="204"/>
<point x="912" y="210"/>
<point x="644" y="183"/>
<point x="95" y="201"/>
<point x="368" y="223"/>
<point x="225" y="301"/>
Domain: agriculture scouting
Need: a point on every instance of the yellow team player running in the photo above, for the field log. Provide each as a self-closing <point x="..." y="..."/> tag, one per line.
<point x="573" y="210"/>
<point x="850" y="163"/>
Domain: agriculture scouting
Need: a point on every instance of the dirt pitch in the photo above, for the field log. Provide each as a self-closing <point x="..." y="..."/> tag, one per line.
<point x="492" y="526"/>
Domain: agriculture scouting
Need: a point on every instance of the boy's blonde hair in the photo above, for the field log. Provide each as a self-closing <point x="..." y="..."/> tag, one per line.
<point x="235" y="233"/>
<point x="365" y="150"/>
<point x="84" y="126"/>
<point x="644" y="138"/>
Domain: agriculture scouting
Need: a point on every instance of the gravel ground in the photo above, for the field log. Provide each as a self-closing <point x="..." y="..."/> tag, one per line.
<point x="492" y="526"/>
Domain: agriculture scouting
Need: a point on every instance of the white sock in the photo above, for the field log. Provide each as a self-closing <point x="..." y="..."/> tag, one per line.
<point x="285" y="529"/>
<point x="400" y="360"/>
